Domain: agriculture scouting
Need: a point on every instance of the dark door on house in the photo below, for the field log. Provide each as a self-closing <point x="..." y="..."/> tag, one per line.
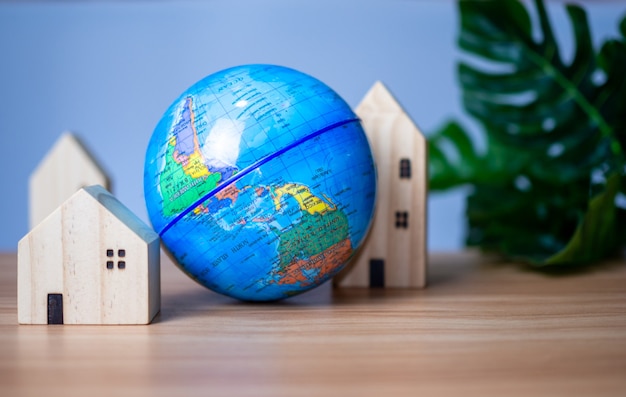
<point x="55" y="308"/>
<point x="377" y="273"/>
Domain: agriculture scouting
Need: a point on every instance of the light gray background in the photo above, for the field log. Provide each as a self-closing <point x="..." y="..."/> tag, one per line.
<point x="108" y="70"/>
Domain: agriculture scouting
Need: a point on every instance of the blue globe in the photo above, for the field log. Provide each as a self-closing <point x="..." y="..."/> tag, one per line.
<point x="260" y="181"/>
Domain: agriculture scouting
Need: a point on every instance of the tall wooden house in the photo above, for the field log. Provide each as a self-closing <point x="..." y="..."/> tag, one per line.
<point x="67" y="167"/>
<point x="394" y="252"/>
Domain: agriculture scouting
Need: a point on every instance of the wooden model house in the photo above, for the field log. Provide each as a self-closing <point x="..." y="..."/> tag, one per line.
<point x="92" y="261"/>
<point x="67" y="167"/>
<point x="394" y="253"/>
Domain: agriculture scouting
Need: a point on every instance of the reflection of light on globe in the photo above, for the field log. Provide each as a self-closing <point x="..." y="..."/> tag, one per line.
<point x="222" y="143"/>
<point x="260" y="181"/>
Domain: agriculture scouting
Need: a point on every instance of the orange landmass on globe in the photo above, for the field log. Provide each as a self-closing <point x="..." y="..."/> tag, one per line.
<point x="230" y="192"/>
<point x="322" y="263"/>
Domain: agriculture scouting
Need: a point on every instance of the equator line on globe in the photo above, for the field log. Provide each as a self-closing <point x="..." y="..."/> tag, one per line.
<point x="260" y="181"/>
<point x="249" y="169"/>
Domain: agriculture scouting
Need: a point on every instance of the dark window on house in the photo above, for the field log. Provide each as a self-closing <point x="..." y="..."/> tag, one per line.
<point x="121" y="253"/>
<point x="377" y="273"/>
<point x="405" y="168"/>
<point x="402" y="220"/>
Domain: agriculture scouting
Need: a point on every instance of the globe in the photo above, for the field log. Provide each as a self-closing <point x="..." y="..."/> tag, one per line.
<point x="260" y="181"/>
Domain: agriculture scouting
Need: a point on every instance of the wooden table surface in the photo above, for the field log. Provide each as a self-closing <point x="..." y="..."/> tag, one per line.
<point x="479" y="329"/>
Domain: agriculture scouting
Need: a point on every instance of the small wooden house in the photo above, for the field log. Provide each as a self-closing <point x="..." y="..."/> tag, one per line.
<point x="67" y="167"/>
<point x="394" y="252"/>
<point x="92" y="261"/>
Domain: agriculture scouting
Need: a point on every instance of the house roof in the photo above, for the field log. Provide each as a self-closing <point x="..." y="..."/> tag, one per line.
<point x="119" y="210"/>
<point x="69" y="144"/>
<point x="380" y="100"/>
<point x="66" y="167"/>
<point x="100" y="197"/>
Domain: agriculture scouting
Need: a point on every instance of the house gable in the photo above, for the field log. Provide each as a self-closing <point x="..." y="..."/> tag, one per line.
<point x="66" y="168"/>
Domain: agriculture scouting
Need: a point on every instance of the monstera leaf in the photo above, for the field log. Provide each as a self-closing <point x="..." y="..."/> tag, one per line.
<point x="545" y="188"/>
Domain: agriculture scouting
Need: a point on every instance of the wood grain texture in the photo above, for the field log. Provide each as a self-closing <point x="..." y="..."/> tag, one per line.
<point x="480" y="329"/>
<point x="393" y="137"/>
<point x="98" y="256"/>
<point x="67" y="167"/>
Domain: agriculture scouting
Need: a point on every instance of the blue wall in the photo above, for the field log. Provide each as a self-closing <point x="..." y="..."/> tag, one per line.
<point x="107" y="71"/>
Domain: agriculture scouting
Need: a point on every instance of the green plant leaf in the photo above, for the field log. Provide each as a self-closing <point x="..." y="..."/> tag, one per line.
<point x="595" y="235"/>
<point x="452" y="158"/>
<point x="556" y="136"/>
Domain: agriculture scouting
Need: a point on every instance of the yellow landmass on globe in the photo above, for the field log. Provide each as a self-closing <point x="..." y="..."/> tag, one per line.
<point x="195" y="166"/>
<point x="307" y="200"/>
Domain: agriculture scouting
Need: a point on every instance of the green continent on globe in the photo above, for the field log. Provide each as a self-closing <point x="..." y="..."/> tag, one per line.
<point x="311" y="248"/>
<point x="185" y="177"/>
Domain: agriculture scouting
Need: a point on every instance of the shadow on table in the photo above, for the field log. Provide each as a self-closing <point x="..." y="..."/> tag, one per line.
<point x="445" y="270"/>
